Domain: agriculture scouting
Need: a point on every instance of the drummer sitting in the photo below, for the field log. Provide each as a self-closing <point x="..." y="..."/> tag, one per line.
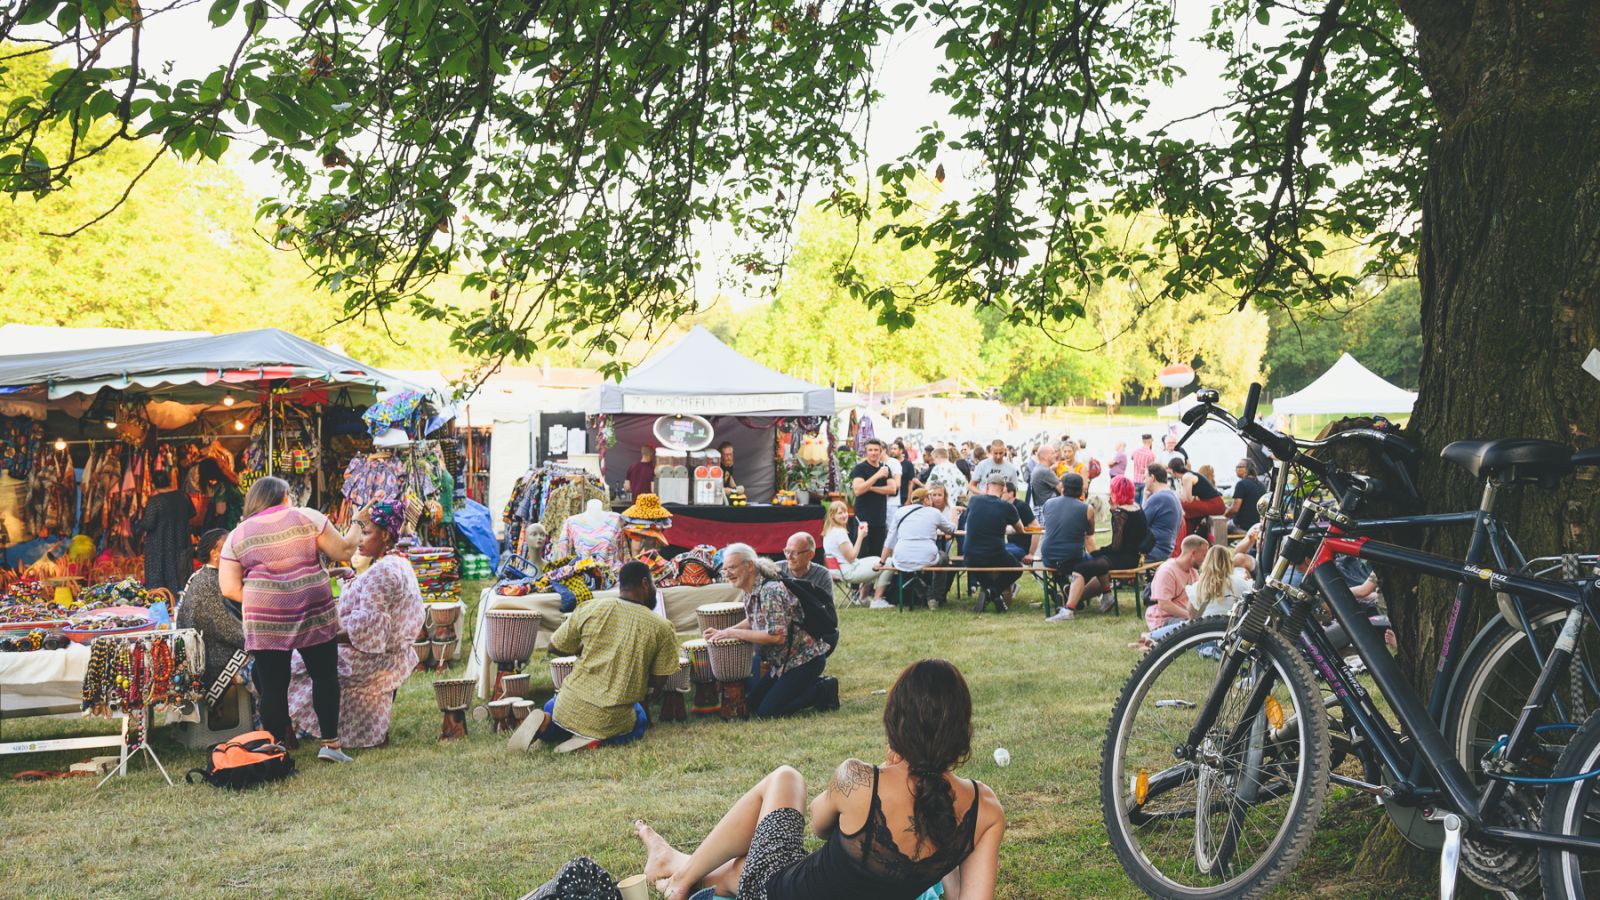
<point x="624" y="650"/>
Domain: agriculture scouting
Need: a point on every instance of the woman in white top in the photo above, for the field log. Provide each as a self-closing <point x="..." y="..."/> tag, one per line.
<point x="854" y="569"/>
<point x="913" y="542"/>
<point x="1217" y="589"/>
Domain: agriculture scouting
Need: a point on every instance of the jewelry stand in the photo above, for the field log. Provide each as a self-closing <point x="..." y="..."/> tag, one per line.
<point x="125" y="755"/>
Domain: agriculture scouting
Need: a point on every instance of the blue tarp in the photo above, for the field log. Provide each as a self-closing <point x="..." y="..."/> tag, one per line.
<point x="477" y="526"/>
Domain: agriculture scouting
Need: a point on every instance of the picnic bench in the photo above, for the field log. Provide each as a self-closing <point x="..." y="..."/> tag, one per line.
<point x="1044" y="573"/>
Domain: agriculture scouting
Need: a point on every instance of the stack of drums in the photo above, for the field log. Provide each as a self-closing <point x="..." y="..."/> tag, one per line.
<point x="706" y="700"/>
<point x="560" y="668"/>
<point x="719" y="615"/>
<point x="731" y="664"/>
<point x="510" y="634"/>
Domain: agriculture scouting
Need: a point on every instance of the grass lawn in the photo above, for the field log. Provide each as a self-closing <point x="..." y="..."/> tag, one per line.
<point x="468" y="820"/>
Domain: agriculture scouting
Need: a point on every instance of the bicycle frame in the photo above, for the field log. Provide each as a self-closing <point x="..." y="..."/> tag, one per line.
<point x="1432" y="751"/>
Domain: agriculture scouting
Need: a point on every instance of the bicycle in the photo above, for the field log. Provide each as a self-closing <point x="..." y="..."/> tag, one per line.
<point x="1223" y="800"/>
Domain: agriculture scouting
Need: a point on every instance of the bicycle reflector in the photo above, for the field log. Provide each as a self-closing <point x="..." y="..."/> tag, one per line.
<point x="1141" y="786"/>
<point x="1274" y="713"/>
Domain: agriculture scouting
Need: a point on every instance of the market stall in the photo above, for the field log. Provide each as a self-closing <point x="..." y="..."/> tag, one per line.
<point x="692" y="399"/>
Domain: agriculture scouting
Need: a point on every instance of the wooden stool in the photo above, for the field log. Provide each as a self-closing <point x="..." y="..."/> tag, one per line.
<point x="455" y="724"/>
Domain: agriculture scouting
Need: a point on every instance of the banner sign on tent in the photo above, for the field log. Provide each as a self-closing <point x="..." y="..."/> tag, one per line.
<point x="687" y="433"/>
<point x="710" y="405"/>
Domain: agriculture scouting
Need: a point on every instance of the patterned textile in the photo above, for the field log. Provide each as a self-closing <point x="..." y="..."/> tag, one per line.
<point x="949" y="475"/>
<point x="376" y="478"/>
<point x="395" y="412"/>
<point x="382" y="612"/>
<point x="593" y="538"/>
<point x="619" y="645"/>
<point x="771" y="607"/>
<point x="389" y="516"/>
<point x="779" y="842"/>
<point x="168" y="549"/>
<point x="20" y="438"/>
<point x="578" y="879"/>
<point x="288" y="602"/>
<point x="204" y="609"/>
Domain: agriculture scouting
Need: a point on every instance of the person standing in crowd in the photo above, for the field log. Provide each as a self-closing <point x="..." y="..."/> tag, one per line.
<point x="1043" y="483"/>
<point x="891" y="453"/>
<point x="1199" y="497"/>
<point x="223" y="499"/>
<point x="641" y="476"/>
<point x="1119" y="461"/>
<point x="168" y="538"/>
<point x="1068" y="537"/>
<point x="893" y="831"/>
<point x="963" y="462"/>
<point x="1139" y="462"/>
<point x="1170" y="446"/>
<point x="380" y="613"/>
<point x="913" y="542"/>
<point x="873" y="481"/>
<point x="948" y="475"/>
<point x="1242" y="512"/>
<point x="795" y="659"/>
<point x="927" y="466"/>
<point x="270" y="565"/>
<point x="908" y="471"/>
<point x="1162" y="512"/>
<point x="203" y="608"/>
<point x="798" y="554"/>
<point x="625" y="654"/>
<point x="993" y="464"/>
<point x="988" y="519"/>
<point x="1071" y="464"/>
<point x="1128" y="532"/>
<point x="1169" y="596"/>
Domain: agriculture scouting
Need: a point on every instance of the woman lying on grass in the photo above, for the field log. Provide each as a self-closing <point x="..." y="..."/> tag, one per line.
<point x="891" y="831"/>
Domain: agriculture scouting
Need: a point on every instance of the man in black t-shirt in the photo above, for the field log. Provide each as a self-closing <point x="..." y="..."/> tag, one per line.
<point x="1019" y="543"/>
<point x="1242" y="512"/>
<point x="872" y="481"/>
<point x="988" y="517"/>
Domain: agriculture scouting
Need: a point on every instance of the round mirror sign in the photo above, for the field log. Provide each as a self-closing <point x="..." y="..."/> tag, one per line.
<point x="683" y="432"/>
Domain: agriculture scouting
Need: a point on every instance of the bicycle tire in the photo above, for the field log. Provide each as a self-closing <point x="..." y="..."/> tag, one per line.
<point x="1302" y="741"/>
<point x="1574" y="809"/>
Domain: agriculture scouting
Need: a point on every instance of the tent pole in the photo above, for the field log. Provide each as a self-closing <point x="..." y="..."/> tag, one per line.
<point x="271" y="452"/>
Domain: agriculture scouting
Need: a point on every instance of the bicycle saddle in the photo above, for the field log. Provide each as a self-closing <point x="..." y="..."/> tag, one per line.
<point x="1589" y="457"/>
<point x="1511" y="460"/>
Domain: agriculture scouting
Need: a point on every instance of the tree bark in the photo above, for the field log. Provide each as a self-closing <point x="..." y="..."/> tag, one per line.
<point x="1510" y="275"/>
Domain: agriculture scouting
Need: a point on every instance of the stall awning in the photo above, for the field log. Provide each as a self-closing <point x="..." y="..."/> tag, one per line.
<point x="192" y="368"/>
<point x="1347" y="387"/>
<point x="703" y="376"/>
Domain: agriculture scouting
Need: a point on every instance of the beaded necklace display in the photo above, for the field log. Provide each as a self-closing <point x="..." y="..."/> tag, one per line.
<point x="132" y="675"/>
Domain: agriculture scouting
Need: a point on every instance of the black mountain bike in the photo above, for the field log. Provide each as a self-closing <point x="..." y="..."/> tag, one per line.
<point x="1216" y="764"/>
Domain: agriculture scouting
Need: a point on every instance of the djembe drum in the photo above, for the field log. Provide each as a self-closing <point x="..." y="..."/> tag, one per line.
<point x="515" y="686"/>
<point x="442" y="619"/>
<point x="453" y="695"/>
<point x="730" y="662"/>
<point x="424" y="650"/>
<point x="520" y="710"/>
<point x="560" y="668"/>
<point x="719" y="615"/>
<point x="511" y="634"/>
<point x="677" y="685"/>
<point x="706" y="699"/>
<point x="500" y="711"/>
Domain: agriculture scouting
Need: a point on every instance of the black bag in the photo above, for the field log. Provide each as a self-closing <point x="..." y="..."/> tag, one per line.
<point x="819" y="618"/>
<point x="252" y="758"/>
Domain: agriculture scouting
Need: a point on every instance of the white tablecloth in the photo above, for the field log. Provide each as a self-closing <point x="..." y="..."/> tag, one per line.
<point x="680" y="602"/>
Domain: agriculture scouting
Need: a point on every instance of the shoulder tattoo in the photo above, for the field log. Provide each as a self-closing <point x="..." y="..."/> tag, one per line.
<point x="850" y="777"/>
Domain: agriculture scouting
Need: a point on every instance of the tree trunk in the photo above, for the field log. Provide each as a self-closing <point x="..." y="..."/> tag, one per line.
<point x="1510" y="275"/>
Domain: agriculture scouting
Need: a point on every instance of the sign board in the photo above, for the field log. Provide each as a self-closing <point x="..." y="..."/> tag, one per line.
<point x="710" y="404"/>
<point x="682" y="432"/>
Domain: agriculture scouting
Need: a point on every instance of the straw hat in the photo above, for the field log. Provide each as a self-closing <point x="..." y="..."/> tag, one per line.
<point x="647" y="509"/>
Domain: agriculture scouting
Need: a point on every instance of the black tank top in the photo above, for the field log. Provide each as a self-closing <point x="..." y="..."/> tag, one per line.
<point x="1203" y="489"/>
<point x="868" y="865"/>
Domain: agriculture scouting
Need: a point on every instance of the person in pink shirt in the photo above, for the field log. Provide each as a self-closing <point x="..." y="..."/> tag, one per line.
<point x="1138" y="461"/>
<point x="1169" y="595"/>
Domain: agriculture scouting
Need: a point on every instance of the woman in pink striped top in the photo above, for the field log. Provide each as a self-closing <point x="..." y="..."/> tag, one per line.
<point x="270" y="564"/>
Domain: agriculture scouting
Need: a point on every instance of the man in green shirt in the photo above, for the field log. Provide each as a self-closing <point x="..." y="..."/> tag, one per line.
<point x="625" y="651"/>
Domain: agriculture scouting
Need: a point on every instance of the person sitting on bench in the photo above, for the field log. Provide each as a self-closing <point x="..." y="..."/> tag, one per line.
<point x="913" y="543"/>
<point x="989" y="517"/>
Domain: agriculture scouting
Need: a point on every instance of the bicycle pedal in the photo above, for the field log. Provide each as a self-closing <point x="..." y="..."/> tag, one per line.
<point x="1450" y="856"/>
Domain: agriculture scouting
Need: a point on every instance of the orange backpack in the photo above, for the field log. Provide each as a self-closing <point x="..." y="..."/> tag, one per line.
<point x="252" y="758"/>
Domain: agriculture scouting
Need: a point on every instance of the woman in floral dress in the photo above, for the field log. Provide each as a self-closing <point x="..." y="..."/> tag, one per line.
<point x="380" y="614"/>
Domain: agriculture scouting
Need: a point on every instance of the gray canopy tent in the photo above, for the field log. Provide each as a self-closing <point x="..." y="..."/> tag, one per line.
<point x="700" y="375"/>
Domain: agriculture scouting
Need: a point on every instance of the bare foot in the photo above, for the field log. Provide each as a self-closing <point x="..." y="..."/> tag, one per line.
<point x="662" y="862"/>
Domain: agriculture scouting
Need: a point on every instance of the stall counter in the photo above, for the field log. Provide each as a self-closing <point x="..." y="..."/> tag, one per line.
<point x="766" y="528"/>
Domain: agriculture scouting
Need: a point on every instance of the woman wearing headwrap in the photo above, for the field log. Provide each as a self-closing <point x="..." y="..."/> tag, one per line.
<point x="380" y="614"/>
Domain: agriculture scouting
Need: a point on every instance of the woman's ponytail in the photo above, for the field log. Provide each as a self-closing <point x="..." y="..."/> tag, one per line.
<point x="928" y="720"/>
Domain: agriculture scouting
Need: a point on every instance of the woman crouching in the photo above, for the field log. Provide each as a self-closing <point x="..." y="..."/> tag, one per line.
<point x="891" y="831"/>
<point x="380" y="614"/>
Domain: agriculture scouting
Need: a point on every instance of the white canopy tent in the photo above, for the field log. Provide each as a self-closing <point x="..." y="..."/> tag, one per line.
<point x="1347" y="387"/>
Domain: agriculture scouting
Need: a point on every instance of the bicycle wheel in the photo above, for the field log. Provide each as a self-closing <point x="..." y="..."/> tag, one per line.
<point x="1574" y="809"/>
<point x="1236" y="819"/>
